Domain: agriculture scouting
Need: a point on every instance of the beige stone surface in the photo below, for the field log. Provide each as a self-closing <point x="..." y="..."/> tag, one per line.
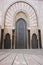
<point x="21" y="57"/>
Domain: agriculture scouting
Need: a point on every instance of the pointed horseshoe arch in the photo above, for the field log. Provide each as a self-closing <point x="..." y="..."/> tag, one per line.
<point x="34" y="41"/>
<point x="17" y="7"/>
<point x="7" y="41"/>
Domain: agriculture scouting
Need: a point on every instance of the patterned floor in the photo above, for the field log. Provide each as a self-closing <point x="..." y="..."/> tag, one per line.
<point x="21" y="57"/>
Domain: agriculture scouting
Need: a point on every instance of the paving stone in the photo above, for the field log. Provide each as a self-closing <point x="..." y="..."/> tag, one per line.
<point x="8" y="60"/>
<point x="3" y="56"/>
<point x="38" y="59"/>
<point x="12" y="57"/>
<point x="19" y="60"/>
<point x="30" y="60"/>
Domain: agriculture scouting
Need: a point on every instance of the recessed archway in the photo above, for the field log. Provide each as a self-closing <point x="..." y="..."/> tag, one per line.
<point x="21" y="34"/>
<point x="18" y="7"/>
<point x="7" y="41"/>
<point x="34" y="41"/>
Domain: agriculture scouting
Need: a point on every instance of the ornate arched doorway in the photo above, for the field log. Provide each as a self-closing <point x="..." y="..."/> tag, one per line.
<point x="34" y="41"/>
<point x="28" y="14"/>
<point x="7" y="41"/>
<point x="21" y="34"/>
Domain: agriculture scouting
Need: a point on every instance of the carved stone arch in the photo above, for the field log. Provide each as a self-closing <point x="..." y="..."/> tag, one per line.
<point x="20" y="15"/>
<point x="17" y="7"/>
<point x="34" y="34"/>
<point x="7" y="35"/>
<point x="20" y="6"/>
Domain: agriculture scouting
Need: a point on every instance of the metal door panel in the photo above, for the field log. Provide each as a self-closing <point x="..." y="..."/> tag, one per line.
<point x="21" y="34"/>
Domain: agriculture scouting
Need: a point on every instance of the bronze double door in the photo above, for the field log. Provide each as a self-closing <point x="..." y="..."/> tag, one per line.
<point x="21" y="34"/>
